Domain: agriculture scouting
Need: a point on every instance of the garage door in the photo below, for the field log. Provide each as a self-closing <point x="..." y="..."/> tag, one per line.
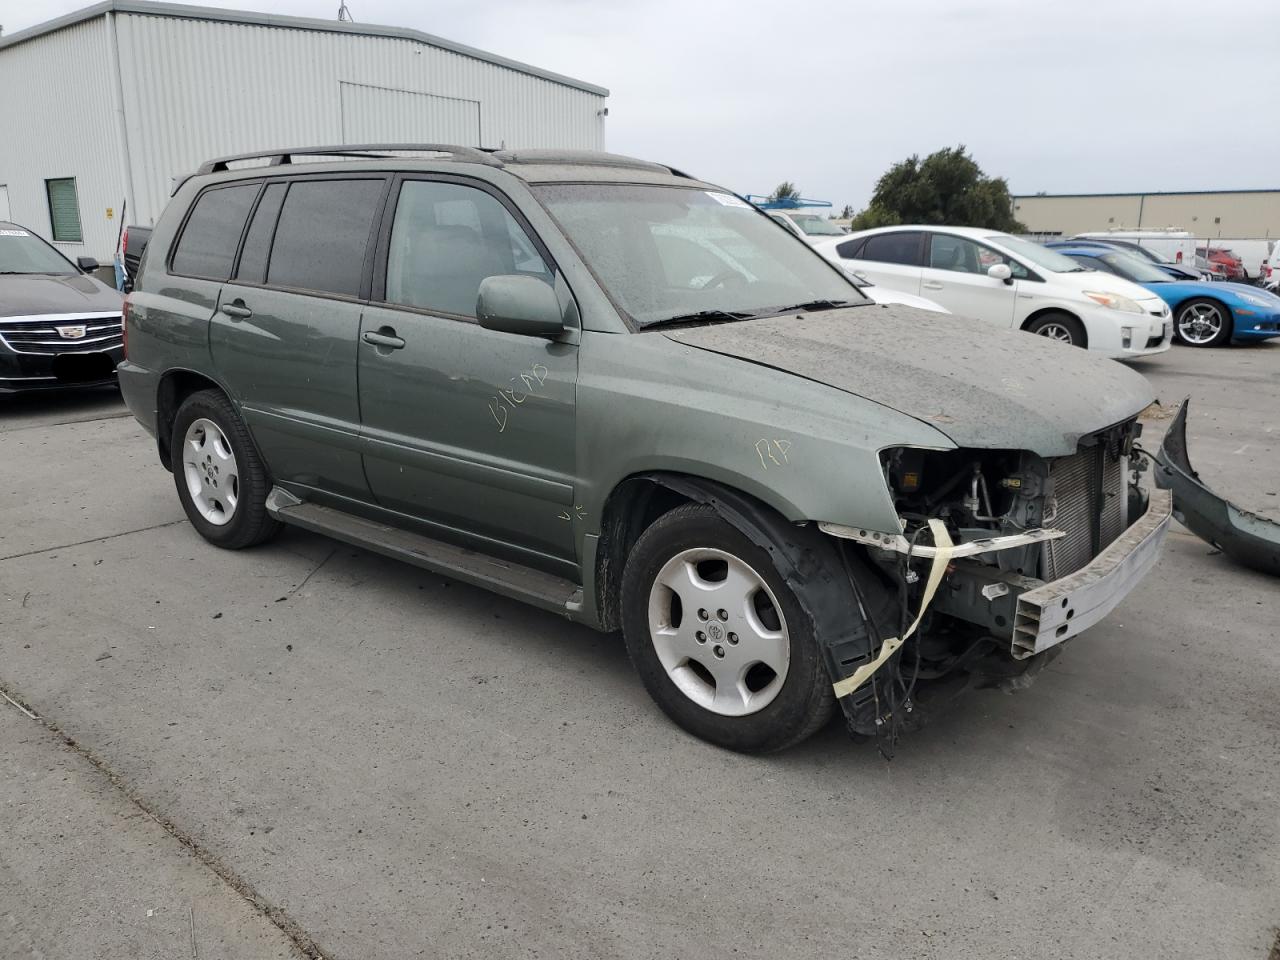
<point x="385" y="115"/>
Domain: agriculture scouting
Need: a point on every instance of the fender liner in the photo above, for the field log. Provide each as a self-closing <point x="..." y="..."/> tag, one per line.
<point x="810" y="563"/>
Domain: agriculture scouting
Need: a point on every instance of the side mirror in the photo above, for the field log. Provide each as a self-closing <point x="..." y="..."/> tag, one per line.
<point x="87" y="264"/>
<point x="522" y="305"/>
<point x="1000" y="271"/>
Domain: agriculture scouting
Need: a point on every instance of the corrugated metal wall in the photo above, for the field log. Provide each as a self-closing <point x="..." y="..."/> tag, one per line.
<point x="56" y="121"/>
<point x="196" y="89"/>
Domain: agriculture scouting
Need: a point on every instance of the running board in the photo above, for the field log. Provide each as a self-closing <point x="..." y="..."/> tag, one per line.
<point x="512" y="580"/>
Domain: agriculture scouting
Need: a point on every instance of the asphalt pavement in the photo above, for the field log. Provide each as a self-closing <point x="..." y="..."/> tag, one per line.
<point x="306" y="749"/>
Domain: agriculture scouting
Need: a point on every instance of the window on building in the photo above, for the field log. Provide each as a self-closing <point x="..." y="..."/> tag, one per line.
<point x="323" y="234"/>
<point x="446" y="239"/>
<point x="64" y="210"/>
<point x="209" y="240"/>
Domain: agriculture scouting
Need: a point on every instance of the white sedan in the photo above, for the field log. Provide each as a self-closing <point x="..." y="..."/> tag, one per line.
<point x="1012" y="282"/>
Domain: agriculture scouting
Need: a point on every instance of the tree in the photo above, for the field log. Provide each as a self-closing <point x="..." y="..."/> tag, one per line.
<point x="786" y="190"/>
<point x="947" y="187"/>
<point x="846" y="213"/>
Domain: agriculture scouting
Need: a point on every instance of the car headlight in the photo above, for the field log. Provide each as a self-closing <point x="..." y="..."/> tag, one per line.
<point x="1114" y="301"/>
<point x="1256" y="300"/>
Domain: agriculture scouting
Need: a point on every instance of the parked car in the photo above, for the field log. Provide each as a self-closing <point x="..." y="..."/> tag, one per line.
<point x="1232" y="265"/>
<point x="511" y="368"/>
<point x="1269" y="276"/>
<point x="59" y="325"/>
<point x="1009" y="282"/>
<point x="1216" y="271"/>
<point x="1204" y="314"/>
<point x="1176" y="246"/>
<point x="809" y="226"/>
<point x="1178" y="271"/>
<point x="133" y="246"/>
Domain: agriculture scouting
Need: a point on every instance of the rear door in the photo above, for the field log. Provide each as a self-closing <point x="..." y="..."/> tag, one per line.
<point x="891" y="260"/>
<point x="285" y="332"/>
<point x="468" y="430"/>
<point x="956" y="277"/>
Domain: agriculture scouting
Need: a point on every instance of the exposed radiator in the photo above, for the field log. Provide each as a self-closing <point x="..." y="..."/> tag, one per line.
<point x="1088" y="483"/>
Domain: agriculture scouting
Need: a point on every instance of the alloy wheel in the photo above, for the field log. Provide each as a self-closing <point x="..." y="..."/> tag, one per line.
<point x="1056" y="331"/>
<point x="1200" y="323"/>
<point x="209" y="467"/>
<point x="719" y="632"/>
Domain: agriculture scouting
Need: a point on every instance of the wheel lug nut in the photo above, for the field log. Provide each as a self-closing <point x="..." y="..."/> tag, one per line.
<point x="723" y="614"/>
<point x="702" y="637"/>
<point x="718" y="651"/>
<point x="733" y="639"/>
<point x="702" y="615"/>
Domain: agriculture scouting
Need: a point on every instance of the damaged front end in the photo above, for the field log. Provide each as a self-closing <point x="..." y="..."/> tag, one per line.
<point x="1245" y="537"/>
<point x="1002" y="556"/>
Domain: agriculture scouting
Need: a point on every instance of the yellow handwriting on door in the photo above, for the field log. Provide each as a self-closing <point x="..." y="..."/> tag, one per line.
<point x="528" y="383"/>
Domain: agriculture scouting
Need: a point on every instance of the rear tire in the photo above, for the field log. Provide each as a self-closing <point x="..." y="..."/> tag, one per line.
<point x="221" y="480"/>
<point x="1061" y="327"/>
<point x="718" y="638"/>
<point x="1203" y="323"/>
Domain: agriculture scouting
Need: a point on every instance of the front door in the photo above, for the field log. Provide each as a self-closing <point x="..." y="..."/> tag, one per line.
<point x="956" y="277"/>
<point x="469" y="430"/>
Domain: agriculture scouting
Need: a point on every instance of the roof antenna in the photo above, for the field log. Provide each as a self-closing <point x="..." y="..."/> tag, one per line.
<point x="344" y="13"/>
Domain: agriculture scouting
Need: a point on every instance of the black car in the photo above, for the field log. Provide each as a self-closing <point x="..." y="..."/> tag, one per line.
<point x="58" y="324"/>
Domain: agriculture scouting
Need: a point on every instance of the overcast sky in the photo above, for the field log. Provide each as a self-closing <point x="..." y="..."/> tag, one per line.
<point x="1082" y="96"/>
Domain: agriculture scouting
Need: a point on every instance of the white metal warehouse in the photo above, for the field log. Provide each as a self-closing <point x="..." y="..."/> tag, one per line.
<point x="105" y="106"/>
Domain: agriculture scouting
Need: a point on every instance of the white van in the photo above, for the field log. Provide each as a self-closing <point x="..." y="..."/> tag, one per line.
<point x="1176" y="246"/>
<point x="1012" y="282"/>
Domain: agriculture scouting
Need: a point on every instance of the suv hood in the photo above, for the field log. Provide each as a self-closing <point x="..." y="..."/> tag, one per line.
<point x="982" y="387"/>
<point x="32" y="294"/>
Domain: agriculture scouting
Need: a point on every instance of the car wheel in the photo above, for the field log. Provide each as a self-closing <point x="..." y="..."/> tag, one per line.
<point x="1061" y="327"/>
<point x="221" y="481"/>
<point x="1202" y="323"/>
<point x="718" y="638"/>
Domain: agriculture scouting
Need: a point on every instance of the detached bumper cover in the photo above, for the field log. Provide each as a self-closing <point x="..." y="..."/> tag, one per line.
<point x="1057" y="611"/>
<point x="1245" y="537"/>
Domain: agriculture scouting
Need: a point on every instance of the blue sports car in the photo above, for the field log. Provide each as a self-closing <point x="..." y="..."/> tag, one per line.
<point x="1204" y="314"/>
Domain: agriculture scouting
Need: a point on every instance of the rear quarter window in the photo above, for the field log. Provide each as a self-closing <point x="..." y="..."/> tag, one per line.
<point x="211" y="235"/>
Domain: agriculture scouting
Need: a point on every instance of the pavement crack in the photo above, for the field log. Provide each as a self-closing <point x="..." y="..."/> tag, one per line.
<point x="273" y="914"/>
<point x="314" y="571"/>
<point x="81" y="543"/>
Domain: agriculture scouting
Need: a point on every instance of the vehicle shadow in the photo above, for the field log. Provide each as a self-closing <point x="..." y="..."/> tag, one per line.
<point x="61" y="405"/>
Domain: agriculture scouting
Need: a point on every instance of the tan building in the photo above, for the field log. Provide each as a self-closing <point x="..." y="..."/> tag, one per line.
<point x="1212" y="213"/>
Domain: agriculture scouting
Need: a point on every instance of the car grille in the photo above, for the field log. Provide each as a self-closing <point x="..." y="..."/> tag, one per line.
<point x="41" y="335"/>
<point x="1087" y="484"/>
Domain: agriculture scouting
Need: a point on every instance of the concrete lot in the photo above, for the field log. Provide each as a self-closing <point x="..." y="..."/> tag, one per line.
<point x="392" y="765"/>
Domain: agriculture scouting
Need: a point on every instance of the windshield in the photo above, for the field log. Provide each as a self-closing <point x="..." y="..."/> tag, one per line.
<point x="23" y="252"/>
<point x="1040" y="256"/>
<point x="673" y="252"/>
<point x="1131" y="268"/>
<point x="816" y="226"/>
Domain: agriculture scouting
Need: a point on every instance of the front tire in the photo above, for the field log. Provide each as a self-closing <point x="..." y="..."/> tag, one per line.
<point x="1061" y="327"/>
<point x="221" y="481"/>
<point x="1203" y="323"/>
<point x="718" y="638"/>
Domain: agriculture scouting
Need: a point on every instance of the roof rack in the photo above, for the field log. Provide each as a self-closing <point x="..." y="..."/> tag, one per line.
<point x="366" y="150"/>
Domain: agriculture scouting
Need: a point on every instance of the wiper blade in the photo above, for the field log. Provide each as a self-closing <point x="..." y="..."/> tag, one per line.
<point x="812" y="305"/>
<point x="699" y="316"/>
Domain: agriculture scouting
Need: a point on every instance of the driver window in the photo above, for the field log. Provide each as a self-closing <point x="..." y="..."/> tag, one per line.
<point x="446" y="238"/>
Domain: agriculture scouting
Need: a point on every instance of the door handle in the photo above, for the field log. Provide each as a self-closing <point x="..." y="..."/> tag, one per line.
<point x="383" y="337"/>
<point x="236" y="310"/>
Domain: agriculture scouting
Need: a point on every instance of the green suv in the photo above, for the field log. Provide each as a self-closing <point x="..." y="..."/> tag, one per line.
<point x="606" y="388"/>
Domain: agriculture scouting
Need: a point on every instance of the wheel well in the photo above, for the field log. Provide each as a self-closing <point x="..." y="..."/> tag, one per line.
<point x="631" y="508"/>
<point x="175" y="387"/>
<point x="1045" y="311"/>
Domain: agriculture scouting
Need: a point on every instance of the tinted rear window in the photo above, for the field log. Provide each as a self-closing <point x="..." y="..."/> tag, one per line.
<point x="209" y="240"/>
<point x="893" y="248"/>
<point x="323" y="234"/>
<point x="257" y="242"/>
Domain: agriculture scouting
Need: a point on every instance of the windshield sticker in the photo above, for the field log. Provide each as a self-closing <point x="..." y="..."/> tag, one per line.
<point x="14" y="233"/>
<point x="728" y="200"/>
